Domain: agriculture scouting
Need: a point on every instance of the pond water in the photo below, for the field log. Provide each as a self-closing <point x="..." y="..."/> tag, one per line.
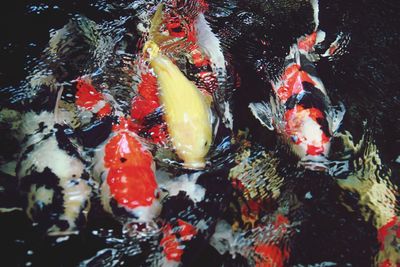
<point x="252" y="200"/>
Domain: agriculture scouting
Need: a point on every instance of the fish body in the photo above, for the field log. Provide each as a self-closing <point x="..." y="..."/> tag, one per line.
<point x="186" y="112"/>
<point x="88" y="98"/>
<point x="301" y="109"/>
<point x="125" y="169"/>
<point x="189" y="34"/>
<point x="52" y="177"/>
<point x="175" y="235"/>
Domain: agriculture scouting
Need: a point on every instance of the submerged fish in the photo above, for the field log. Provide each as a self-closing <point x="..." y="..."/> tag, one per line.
<point x="52" y="176"/>
<point x="125" y="169"/>
<point x="301" y="110"/>
<point x="187" y="114"/>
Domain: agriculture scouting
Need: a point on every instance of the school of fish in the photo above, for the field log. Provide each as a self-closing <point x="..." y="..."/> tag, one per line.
<point x="178" y="106"/>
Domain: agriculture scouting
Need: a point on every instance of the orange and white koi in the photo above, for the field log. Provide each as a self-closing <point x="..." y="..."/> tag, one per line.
<point x="175" y="235"/>
<point x="125" y="169"/>
<point x="88" y="98"/>
<point x="301" y="109"/>
<point x="123" y="165"/>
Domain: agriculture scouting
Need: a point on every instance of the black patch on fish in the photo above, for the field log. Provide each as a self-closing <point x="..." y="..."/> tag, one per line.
<point x="41" y="127"/>
<point x="178" y="206"/>
<point x="149" y="121"/>
<point x="218" y="193"/>
<point x="118" y="210"/>
<point x="24" y="156"/>
<point x="29" y="149"/>
<point x="156" y="117"/>
<point x="63" y="225"/>
<point x="45" y="215"/>
<point x="307" y="66"/>
<point x="313" y="98"/>
<point x="309" y="87"/>
<point x="95" y="134"/>
<point x="85" y="175"/>
<point x="65" y="144"/>
<point x="324" y="126"/>
<point x="45" y="99"/>
<point x="294" y="100"/>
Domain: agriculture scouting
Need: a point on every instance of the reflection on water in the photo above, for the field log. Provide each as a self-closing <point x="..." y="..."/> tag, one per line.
<point x="90" y="111"/>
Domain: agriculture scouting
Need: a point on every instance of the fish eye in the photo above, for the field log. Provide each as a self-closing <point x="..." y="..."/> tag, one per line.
<point x="206" y="143"/>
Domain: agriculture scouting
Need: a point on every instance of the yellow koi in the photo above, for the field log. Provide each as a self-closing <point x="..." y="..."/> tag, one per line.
<point x="187" y="114"/>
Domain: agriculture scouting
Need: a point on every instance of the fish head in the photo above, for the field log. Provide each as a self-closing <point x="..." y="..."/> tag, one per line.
<point x="304" y="130"/>
<point x="129" y="181"/>
<point x="193" y="146"/>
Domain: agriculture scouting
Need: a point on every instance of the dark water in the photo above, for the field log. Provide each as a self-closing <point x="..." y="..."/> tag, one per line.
<point x="256" y="36"/>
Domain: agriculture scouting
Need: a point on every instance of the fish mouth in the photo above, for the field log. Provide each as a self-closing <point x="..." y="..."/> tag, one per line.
<point x="194" y="165"/>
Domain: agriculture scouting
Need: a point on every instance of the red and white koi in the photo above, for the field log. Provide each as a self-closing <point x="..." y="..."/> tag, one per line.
<point x="88" y="98"/>
<point x="123" y="165"/>
<point x="175" y="235"/>
<point x="125" y="168"/>
<point x="301" y="110"/>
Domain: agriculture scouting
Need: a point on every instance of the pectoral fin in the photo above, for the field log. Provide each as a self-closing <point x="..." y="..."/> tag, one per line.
<point x="263" y="113"/>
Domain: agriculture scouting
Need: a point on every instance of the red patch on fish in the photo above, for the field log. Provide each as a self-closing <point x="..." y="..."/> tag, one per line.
<point x="173" y="238"/>
<point x="295" y="118"/>
<point x="198" y="58"/>
<point x="281" y="220"/>
<point x="148" y="87"/>
<point x="207" y="82"/>
<point x="125" y="150"/>
<point x="387" y="263"/>
<point x="307" y="43"/>
<point x="314" y="150"/>
<point x="147" y="99"/>
<point x="88" y="97"/>
<point x="142" y="107"/>
<point x="250" y="211"/>
<point x="384" y="230"/>
<point x="268" y="256"/>
<point x="158" y="133"/>
<point x="132" y="186"/>
<point x="292" y="79"/>
<point x="104" y="111"/>
<point x="237" y="184"/>
<point x="130" y="178"/>
<point x="332" y="49"/>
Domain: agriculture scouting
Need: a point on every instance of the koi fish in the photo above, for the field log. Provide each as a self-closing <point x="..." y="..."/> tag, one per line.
<point x="52" y="176"/>
<point x="123" y="165"/>
<point x="125" y="169"/>
<point x="175" y="235"/>
<point x="145" y="106"/>
<point x="88" y="98"/>
<point x="187" y="114"/>
<point x="181" y="30"/>
<point x="300" y="109"/>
